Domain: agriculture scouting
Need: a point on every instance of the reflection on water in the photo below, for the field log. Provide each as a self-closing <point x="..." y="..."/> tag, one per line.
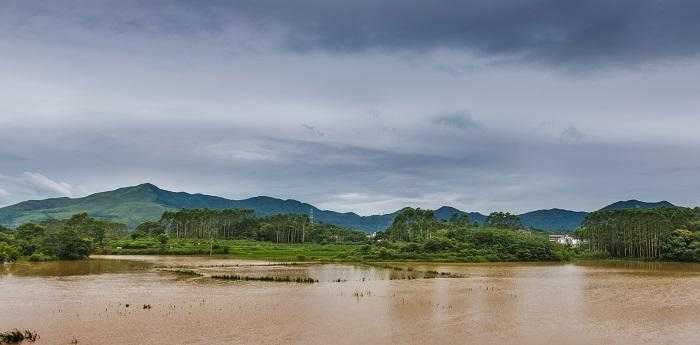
<point x="72" y="268"/>
<point x="586" y="303"/>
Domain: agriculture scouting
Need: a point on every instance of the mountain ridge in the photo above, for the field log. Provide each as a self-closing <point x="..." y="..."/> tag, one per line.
<point x="135" y="204"/>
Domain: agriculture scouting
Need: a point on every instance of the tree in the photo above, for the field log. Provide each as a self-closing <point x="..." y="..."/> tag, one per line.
<point x="8" y="252"/>
<point x="503" y="220"/>
<point x="639" y="233"/>
<point x="413" y="224"/>
<point x="682" y="245"/>
<point x="460" y="219"/>
<point x="67" y="244"/>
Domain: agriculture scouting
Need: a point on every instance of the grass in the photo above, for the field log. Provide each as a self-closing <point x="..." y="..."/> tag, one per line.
<point x="16" y="336"/>
<point x="266" y="278"/>
<point x="240" y="249"/>
<point x="188" y="273"/>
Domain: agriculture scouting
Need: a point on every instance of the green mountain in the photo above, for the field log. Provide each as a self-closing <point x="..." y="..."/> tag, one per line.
<point x="553" y="219"/>
<point x="622" y="205"/>
<point x="134" y="205"/>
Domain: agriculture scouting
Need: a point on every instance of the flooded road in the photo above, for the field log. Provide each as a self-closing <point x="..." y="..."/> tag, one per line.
<point x="390" y="303"/>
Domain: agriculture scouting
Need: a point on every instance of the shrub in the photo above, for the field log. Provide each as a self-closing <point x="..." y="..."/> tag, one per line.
<point x="437" y="244"/>
<point x="39" y="257"/>
<point x="8" y="252"/>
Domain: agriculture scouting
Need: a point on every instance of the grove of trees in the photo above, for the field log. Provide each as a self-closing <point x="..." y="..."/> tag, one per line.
<point x="668" y="233"/>
<point x="67" y="239"/>
<point x="243" y="224"/>
<point x="415" y="234"/>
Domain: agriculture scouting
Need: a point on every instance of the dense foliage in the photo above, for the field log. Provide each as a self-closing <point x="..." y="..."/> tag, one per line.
<point x="243" y="224"/>
<point x="670" y="233"/>
<point x="503" y="220"/>
<point x="68" y="239"/>
<point x="417" y="235"/>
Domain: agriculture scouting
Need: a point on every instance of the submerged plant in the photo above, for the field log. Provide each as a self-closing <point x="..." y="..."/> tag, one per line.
<point x="16" y="336"/>
<point x="266" y="278"/>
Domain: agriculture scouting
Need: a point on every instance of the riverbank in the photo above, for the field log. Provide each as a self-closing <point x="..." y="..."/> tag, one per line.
<point x="299" y="252"/>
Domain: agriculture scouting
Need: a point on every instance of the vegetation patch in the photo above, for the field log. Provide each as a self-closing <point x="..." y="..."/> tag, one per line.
<point x="189" y="273"/>
<point x="16" y="336"/>
<point x="266" y="278"/>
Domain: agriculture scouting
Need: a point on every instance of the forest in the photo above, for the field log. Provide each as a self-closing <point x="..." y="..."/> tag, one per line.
<point x="670" y="233"/>
<point x="655" y="234"/>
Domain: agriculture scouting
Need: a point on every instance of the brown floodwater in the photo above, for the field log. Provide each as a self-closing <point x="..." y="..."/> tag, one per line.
<point x="389" y="303"/>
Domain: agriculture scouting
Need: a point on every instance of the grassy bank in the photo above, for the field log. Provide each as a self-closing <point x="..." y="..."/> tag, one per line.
<point x="242" y="249"/>
<point x="258" y="250"/>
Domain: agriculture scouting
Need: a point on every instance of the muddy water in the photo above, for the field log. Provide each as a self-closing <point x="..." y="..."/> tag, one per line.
<point x="589" y="303"/>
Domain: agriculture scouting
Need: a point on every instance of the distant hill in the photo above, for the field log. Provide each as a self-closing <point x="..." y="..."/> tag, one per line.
<point x="622" y="205"/>
<point x="134" y="205"/>
<point x="446" y="212"/>
<point x="553" y="219"/>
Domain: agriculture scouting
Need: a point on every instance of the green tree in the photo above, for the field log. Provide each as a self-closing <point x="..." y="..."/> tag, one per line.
<point x="503" y="220"/>
<point x="460" y="219"/>
<point x="413" y="224"/>
<point x="67" y="244"/>
<point x="682" y="245"/>
<point x="8" y="252"/>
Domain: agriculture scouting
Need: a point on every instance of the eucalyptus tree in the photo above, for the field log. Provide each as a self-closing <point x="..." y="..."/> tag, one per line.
<point x="637" y="233"/>
<point x="413" y="224"/>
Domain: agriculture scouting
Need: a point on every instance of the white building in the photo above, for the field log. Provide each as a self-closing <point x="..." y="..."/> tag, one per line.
<point x="565" y="239"/>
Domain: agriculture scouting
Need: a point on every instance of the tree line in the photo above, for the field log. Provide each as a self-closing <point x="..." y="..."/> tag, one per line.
<point x="671" y="233"/>
<point x="416" y="224"/>
<point x="67" y="239"/>
<point x="416" y="234"/>
<point x="244" y="224"/>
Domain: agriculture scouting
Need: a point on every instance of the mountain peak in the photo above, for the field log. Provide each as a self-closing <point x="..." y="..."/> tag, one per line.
<point x="634" y="203"/>
<point x="147" y="185"/>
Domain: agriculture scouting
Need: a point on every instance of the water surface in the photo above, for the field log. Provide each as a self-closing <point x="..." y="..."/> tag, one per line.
<point x="584" y="303"/>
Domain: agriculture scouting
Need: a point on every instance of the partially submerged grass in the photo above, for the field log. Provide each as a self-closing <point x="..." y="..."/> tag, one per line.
<point x="188" y="273"/>
<point x="266" y="278"/>
<point x="16" y="336"/>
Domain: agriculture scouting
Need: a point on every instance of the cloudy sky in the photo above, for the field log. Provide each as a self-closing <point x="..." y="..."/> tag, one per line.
<point x="364" y="106"/>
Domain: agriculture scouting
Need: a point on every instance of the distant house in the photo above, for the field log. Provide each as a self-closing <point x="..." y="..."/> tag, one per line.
<point x="565" y="239"/>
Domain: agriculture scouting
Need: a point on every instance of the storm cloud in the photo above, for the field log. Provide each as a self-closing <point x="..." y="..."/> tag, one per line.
<point x="363" y="106"/>
<point x="550" y="32"/>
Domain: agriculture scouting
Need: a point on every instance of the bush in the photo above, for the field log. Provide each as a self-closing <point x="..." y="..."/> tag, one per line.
<point x="562" y="253"/>
<point x="67" y="244"/>
<point x="39" y="257"/>
<point x="437" y="244"/>
<point x="8" y="253"/>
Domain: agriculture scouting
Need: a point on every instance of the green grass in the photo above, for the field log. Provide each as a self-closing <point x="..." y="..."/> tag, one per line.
<point x="242" y="249"/>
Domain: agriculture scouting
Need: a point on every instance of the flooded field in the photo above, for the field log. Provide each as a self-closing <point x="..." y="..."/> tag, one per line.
<point x="179" y="300"/>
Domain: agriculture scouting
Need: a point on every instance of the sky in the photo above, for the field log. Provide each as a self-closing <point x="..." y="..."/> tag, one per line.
<point x="363" y="106"/>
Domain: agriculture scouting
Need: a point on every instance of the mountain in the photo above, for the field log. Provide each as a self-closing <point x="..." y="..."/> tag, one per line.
<point x="446" y="212"/>
<point x="553" y="219"/>
<point x="133" y="205"/>
<point x="622" y="205"/>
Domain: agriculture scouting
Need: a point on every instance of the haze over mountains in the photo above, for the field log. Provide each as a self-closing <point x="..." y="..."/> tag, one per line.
<point x="133" y="205"/>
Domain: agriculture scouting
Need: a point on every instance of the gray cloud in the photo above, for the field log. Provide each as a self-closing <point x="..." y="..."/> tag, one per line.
<point x="340" y="103"/>
<point x="34" y="185"/>
<point x="458" y="120"/>
<point x="572" y="134"/>
<point x="313" y="130"/>
<point x="549" y="32"/>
